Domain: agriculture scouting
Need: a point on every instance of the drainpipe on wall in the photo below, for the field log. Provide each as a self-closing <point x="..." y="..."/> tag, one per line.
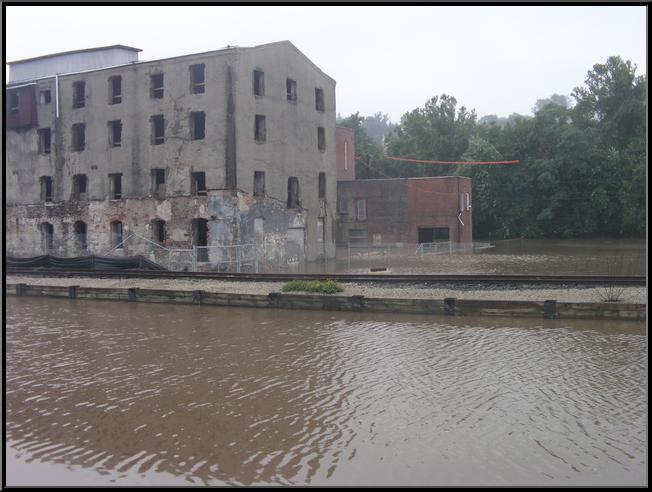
<point x="56" y="94"/>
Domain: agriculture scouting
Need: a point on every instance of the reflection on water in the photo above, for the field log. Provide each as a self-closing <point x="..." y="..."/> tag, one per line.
<point x="106" y="393"/>
<point x="517" y="256"/>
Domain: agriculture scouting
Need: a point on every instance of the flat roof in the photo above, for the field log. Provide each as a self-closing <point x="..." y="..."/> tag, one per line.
<point x="113" y="46"/>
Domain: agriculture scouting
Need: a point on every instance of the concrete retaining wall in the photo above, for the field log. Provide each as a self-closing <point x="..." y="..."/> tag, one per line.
<point x="275" y="300"/>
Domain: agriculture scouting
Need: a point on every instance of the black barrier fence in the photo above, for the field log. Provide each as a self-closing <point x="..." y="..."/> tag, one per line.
<point x="92" y="262"/>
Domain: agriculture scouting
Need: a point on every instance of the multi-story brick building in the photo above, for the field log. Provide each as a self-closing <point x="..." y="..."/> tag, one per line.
<point x="220" y="148"/>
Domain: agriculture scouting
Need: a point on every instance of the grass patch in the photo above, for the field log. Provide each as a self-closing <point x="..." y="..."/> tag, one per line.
<point x="321" y="286"/>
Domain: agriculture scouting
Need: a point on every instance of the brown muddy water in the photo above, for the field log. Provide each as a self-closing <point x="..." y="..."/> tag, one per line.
<point x="106" y="393"/>
<point x="515" y="256"/>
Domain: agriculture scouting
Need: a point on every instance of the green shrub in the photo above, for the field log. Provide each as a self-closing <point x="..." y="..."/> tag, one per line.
<point x="322" y="286"/>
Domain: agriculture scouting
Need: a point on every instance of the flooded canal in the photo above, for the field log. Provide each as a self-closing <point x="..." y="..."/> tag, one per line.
<point x="514" y="256"/>
<point x="106" y="393"/>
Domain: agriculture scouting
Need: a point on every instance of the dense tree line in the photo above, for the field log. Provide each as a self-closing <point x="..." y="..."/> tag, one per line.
<point x="583" y="160"/>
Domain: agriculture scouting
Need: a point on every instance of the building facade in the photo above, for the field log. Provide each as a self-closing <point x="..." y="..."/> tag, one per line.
<point x="230" y="147"/>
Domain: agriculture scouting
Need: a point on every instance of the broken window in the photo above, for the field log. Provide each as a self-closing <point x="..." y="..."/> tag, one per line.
<point x="198" y="183"/>
<point x="361" y="209"/>
<point x="197" y="125"/>
<point x="78" y="95"/>
<point x="79" y="186"/>
<point x="197" y="79"/>
<point x="259" y="83"/>
<point x="115" y="133"/>
<point x="44" y="137"/>
<point x="115" y="89"/>
<point x="79" y="230"/>
<point x="116" y="234"/>
<point x="158" y="182"/>
<point x="45" y="96"/>
<point x="259" y="183"/>
<point x="200" y="238"/>
<point x="321" y="138"/>
<point x="115" y="186"/>
<point x="158" y="129"/>
<point x="291" y="86"/>
<point x="322" y="186"/>
<point x="78" y="136"/>
<point x="46" y="188"/>
<point x="156" y="86"/>
<point x="293" y="192"/>
<point x="14" y="102"/>
<point x="319" y="99"/>
<point x="158" y="231"/>
<point x="260" y="133"/>
<point x="47" y="237"/>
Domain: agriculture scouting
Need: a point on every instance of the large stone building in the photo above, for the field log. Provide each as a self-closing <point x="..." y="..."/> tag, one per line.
<point x="227" y="147"/>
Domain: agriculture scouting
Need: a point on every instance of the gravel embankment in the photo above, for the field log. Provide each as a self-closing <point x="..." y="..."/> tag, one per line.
<point x="572" y="294"/>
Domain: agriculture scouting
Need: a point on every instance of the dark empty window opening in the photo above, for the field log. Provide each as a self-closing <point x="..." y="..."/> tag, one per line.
<point x="319" y="99"/>
<point x="116" y="234"/>
<point x="45" y="96"/>
<point x="158" y="129"/>
<point x="47" y="237"/>
<point x="291" y="86"/>
<point x="44" y="139"/>
<point x="200" y="238"/>
<point x="260" y="132"/>
<point x="321" y="138"/>
<point x="361" y="209"/>
<point x="46" y="188"/>
<point x="14" y="102"/>
<point x="198" y="183"/>
<point x="322" y="186"/>
<point x="158" y="231"/>
<point x="79" y="94"/>
<point x="259" y="83"/>
<point x="433" y="234"/>
<point x="115" y="133"/>
<point x="78" y="136"/>
<point x="115" y="186"/>
<point x="115" y="90"/>
<point x="79" y="182"/>
<point x="197" y="125"/>
<point x="259" y="183"/>
<point x="197" y="79"/>
<point x="293" y="192"/>
<point x="156" y="86"/>
<point x="79" y="230"/>
<point x="158" y="182"/>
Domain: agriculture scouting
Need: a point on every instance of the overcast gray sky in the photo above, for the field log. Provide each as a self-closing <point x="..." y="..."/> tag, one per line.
<point x="495" y="59"/>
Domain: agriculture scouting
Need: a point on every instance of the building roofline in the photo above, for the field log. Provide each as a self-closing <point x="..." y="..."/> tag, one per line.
<point x="114" y="46"/>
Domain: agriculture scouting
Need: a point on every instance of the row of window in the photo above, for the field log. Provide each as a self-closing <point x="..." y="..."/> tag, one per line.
<point x="158" y="187"/>
<point x="156" y="89"/>
<point x="157" y="122"/>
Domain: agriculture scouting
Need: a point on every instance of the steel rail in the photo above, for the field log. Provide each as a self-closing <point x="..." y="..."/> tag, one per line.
<point x="634" y="280"/>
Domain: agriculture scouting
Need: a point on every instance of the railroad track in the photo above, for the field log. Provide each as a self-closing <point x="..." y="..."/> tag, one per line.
<point x="624" y="280"/>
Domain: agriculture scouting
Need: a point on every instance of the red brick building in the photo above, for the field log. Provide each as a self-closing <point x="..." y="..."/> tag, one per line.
<point x="400" y="210"/>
